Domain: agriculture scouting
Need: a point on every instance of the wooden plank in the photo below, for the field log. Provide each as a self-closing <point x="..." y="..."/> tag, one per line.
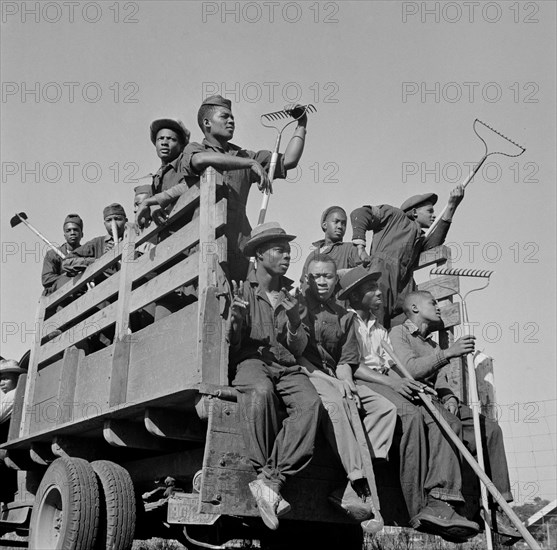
<point x="186" y="202"/>
<point x="441" y="287"/>
<point x="100" y="265"/>
<point x="174" y="425"/>
<point x="33" y="369"/>
<point x="438" y="255"/>
<point x="450" y="315"/>
<point x="207" y="225"/>
<point x="211" y="334"/>
<point x="164" y="357"/>
<point x="17" y="412"/>
<point x="122" y="343"/>
<point x="68" y="377"/>
<point x="486" y="385"/>
<point x="123" y="433"/>
<point x="180" y="274"/>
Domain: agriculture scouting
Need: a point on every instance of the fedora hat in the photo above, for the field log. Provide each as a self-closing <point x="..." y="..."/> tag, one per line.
<point x="416" y="200"/>
<point x="10" y="366"/>
<point x="353" y="278"/>
<point x="265" y="232"/>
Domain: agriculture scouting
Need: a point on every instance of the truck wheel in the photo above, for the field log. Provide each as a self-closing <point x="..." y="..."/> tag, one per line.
<point x="66" y="511"/>
<point x="118" y="512"/>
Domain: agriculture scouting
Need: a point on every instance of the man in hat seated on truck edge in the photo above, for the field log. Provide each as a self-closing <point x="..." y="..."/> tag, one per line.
<point x="398" y="240"/>
<point x="240" y="168"/>
<point x="428" y="466"/>
<point x="329" y="359"/>
<point x="52" y="276"/>
<point x="425" y="360"/>
<point x="264" y="327"/>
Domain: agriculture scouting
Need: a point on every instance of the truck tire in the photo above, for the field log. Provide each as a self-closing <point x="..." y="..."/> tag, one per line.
<point x="118" y="506"/>
<point x="66" y="511"/>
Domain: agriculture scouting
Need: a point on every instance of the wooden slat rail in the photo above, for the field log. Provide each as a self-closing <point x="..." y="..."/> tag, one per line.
<point x="187" y="201"/>
<point x="200" y="265"/>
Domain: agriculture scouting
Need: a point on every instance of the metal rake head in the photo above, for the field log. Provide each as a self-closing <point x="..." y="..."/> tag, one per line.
<point x="269" y="120"/>
<point x="502" y="140"/>
<point x="461" y="272"/>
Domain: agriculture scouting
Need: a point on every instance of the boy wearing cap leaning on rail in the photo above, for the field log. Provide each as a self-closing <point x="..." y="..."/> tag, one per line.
<point x="398" y="240"/>
<point x="265" y="335"/>
<point x="79" y="259"/>
<point x="240" y="168"/>
<point x="52" y="276"/>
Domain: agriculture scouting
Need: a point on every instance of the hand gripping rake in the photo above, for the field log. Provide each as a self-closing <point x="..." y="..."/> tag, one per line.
<point x="274" y="120"/>
<point x="466" y="454"/>
<point x="472" y="383"/>
<point x="500" y="144"/>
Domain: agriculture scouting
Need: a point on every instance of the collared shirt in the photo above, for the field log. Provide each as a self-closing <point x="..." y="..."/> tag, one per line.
<point x="331" y="334"/>
<point x="344" y="254"/>
<point x="168" y="176"/>
<point x="396" y="238"/>
<point x="6" y="405"/>
<point x="86" y="254"/>
<point x="418" y="352"/>
<point x="265" y="333"/>
<point x="52" y="276"/>
<point x="370" y="335"/>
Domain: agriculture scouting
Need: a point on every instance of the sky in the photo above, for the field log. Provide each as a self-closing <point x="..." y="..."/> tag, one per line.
<point x="397" y="87"/>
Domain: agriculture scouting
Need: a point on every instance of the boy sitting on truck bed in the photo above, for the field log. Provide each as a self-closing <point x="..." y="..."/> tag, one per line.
<point x="265" y="326"/>
<point x="329" y="358"/>
<point x="240" y="169"/>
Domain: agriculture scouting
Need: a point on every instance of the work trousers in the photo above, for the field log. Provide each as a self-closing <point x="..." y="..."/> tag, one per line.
<point x="379" y="422"/>
<point x="429" y="464"/>
<point x="277" y="451"/>
<point x="495" y="460"/>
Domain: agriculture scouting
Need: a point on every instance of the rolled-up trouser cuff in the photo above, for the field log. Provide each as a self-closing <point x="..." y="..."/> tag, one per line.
<point x="442" y="494"/>
<point x="273" y="477"/>
<point x="354" y="475"/>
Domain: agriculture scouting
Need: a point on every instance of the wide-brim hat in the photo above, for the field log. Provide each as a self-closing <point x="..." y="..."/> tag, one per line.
<point x="416" y="200"/>
<point x="170" y="124"/>
<point x="10" y="366"/>
<point x="353" y="278"/>
<point x="265" y="232"/>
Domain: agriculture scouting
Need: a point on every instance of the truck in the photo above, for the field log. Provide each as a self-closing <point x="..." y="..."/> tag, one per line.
<point x="140" y="436"/>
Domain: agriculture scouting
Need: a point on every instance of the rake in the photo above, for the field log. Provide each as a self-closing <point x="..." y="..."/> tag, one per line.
<point x="499" y="143"/>
<point x="274" y="120"/>
<point x="472" y="383"/>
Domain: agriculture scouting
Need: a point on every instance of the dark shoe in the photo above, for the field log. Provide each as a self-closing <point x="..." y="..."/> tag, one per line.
<point x="351" y="504"/>
<point x="504" y="525"/>
<point x="440" y="518"/>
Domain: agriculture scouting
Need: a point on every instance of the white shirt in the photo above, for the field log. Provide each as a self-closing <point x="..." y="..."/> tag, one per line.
<point x="369" y="336"/>
<point x="6" y="405"/>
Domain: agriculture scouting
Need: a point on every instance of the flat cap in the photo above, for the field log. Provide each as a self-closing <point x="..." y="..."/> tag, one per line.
<point x="218" y="101"/>
<point x="73" y="218"/>
<point x="417" y="200"/>
<point x="170" y="124"/>
<point x="265" y="232"/>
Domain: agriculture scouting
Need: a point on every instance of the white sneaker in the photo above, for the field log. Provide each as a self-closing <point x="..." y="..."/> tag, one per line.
<point x="270" y="504"/>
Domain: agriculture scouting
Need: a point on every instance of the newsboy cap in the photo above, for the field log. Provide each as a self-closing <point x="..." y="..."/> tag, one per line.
<point x="170" y="124"/>
<point x="263" y="233"/>
<point x="417" y="200"/>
